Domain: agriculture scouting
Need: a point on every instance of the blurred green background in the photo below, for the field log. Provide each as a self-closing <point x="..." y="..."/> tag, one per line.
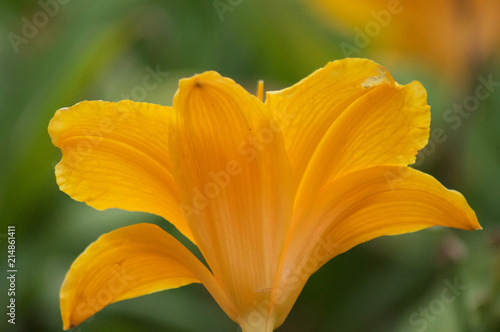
<point x="92" y="49"/>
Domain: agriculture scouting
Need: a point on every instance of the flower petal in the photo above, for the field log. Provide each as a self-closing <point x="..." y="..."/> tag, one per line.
<point x="308" y="109"/>
<point x="115" y="155"/>
<point x="129" y="262"/>
<point x="235" y="182"/>
<point x="364" y="205"/>
<point x="385" y="127"/>
<point x="374" y="122"/>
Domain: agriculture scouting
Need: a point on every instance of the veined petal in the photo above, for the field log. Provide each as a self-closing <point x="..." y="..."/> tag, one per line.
<point x="115" y="155"/>
<point x="385" y="127"/>
<point x="384" y="123"/>
<point x="307" y="110"/>
<point x="364" y="205"/>
<point x="235" y="182"/>
<point x="129" y="262"/>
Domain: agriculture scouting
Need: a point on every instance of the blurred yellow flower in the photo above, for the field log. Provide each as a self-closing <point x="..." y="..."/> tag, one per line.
<point x="455" y="36"/>
<point x="269" y="192"/>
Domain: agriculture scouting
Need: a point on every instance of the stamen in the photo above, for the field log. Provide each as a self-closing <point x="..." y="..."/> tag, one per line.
<point x="260" y="90"/>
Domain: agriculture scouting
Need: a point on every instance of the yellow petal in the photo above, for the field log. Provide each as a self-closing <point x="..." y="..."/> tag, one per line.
<point x="126" y="263"/>
<point x="341" y="127"/>
<point x="308" y="109"/>
<point x="115" y="155"/>
<point x="235" y="181"/>
<point x="364" y="205"/>
<point x="385" y="127"/>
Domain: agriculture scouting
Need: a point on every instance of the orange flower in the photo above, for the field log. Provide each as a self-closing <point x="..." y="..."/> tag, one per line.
<point x="455" y="36"/>
<point x="269" y="192"/>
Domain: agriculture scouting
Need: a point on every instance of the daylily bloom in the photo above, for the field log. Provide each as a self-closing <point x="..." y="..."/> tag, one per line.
<point x="455" y="36"/>
<point x="268" y="191"/>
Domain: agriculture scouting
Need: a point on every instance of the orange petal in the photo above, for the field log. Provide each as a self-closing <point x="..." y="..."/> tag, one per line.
<point x="364" y="205"/>
<point x="343" y="126"/>
<point x="236" y="184"/>
<point x="308" y="109"/>
<point x="126" y="263"/>
<point x="115" y="155"/>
